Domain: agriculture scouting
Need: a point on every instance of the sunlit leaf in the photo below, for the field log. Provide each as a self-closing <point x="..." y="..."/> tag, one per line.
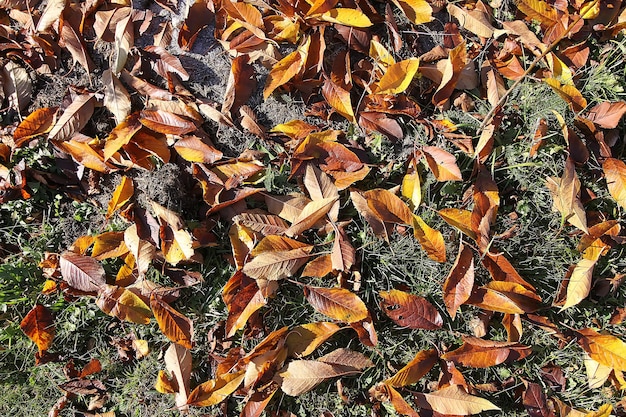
<point x="480" y="353"/>
<point x="603" y="348"/>
<point x="408" y="310"/>
<point x="413" y="371"/>
<point x="458" y="285"/>
<point x="121" y="195"/>
<point x="430" y="239"/>
<point x="397" y="78"/>
<point x="38" y="325"/>
<point x="455" y="401"/>
<point x="615" y="174"/>
<point x="345" y="16"/>
<point x="215" y="391"/>
<point x="277" y="257"/>
<point x="304" y="339"/>
<point x="174" y="325"/>
<point x="123" y="304"/>
<point x="337" y="303"/>
<point x="82" y="272"/>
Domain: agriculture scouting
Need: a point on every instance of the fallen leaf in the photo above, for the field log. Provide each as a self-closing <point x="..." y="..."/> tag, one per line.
<point x="397" y="78"/>
<point x="123" y="304"/>
<point x="37" y="123"/>
<point x="480" y="353"/>
<point x="605" y="349"/>
<point x="310" y="215"/>
<point x="442" y="163"/>
<point x="121" y="196"/>
<point x="339" y="99"/>
<point x="615" y="174"/>
<point x="81" y="272"/>
<point x="216" y="390"/>
<point x="178" y="363"/>
<point x="417" y="11"/>
<point x="277" y="257"/>
<point x="408" y="310"/>
<point x="476" y="20"/>
<point x="607" y="114"/>
<point x="38" y="325"/>
<point x="304" y="339"/>
<point x="116" y="97"/>
<point x="337" y="303"/>
<point x="453" y="400"/>
<point x="166" y="122"/>
<point x="73" y="118"/>
<point x="413" y="371"/>
<point x="458" y="285"/>
<point x="174" y="325"/>
<point x="430" y="239"/>
<point x="566" y="196"/>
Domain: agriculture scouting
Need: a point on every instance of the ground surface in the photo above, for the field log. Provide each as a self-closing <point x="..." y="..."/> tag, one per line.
<point x="507" y="247"/>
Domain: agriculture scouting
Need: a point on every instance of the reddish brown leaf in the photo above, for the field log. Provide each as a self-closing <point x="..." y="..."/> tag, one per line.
<point x="81" y="272"/>
<point x="167" y="123"/>
<point x="198" y="18"/>
<point x="457" y="287"/>
<point x="277" y="257"/>
<point x="73" y="118"/>
<point x="480" y="353"/>
<point x="615" y="174"/>
<point x="454" y="66"/>
<point x="408" y="310"/>
<point x="193" y="149"/>
<point x="241" y="83"/>
<point x="70" y="39"/>
<point x="505" y="297"/>
<point x="166" y="63"/>
<point x="38" y="325"/>
<point x="242" y="297"/>
<point x="535" y="401"/>
<point x="442" y="163"/>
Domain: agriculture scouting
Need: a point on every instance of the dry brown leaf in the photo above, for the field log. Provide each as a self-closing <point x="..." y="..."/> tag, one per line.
<point x="318" y="267"/>
<point x="193" y="149"/>
<point x="37" y="123"/>
<point x="320" y="186"/>
<point x="277" y="257"/>
<point x="116" y="98"/>
<point x="216" y="390"/>
<point x="310" y="215"/>
<point x="266" y="224"/>
<point x="476" y="20"/>
<point x="165" y="122"/>
<point x="82" y="273"/>
<point x="458" y="285"/>
<point x="243" y="298"/>
<point x="454" y="65"/>
<point x="166" y="63"/>
<point x="607" y="114"/>
<point x="566" y="196"/>
<point x="178" y="363"/>
<point x="343" y="254"/>
<point x="73" y="42"/>
<point x="417" y="11"/>
<point x="304" y="339"/>
<point x="124" y="41"/>
<point x="408" y="310"/>
<point x="73" y="118"/>
<point x="339" y="99"/>
<point x="480" y="353"/>
<point x="442" y="163"/>
<point x="50" y="15"/>
<point x="454" y="400"/>
<point x="121" y="196"/>
<point x="615" y="174"/>
<point x="16" y="85"/>
<point x="505" y="297"/>
<point x="287" y="68"/>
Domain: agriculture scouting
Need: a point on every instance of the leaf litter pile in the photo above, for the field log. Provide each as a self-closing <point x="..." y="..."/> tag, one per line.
<point x="436" y="82"/>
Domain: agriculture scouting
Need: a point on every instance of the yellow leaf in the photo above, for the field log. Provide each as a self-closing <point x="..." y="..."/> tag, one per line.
<point x="615" y="174"/>
<point x="286" y="68"/>
<point x="604" y="348"/>
<point x="604" y="411"/>
<point x="216" y="390"/>
<point x="569" y="93"/>
<point x="411" y="188"/>
<point x="397" y="78"/>
<point x="121" y="195"/>
<point x="431" y="240"/>
<point x="579" y="283"/>
<point x="348" y="17"/>
<point x="454" y="400"/>
<point x="539" y="10"/>
<point x="164" y="384"/>
<point x="418" y="11"/>
<point x="380" y="54"/>
<point x="304" y="339"/>
<point x="459" y="218"/>
<point x="590" y="10"/>
<point x="174" y="325"/>
<point x="123" y="304"/>
<point x="597" y="374"/>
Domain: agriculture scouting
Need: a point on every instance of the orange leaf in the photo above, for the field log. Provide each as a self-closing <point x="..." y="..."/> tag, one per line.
<point x="480" y="353"/>
<point x="310" y="215"/>
<point x="339" y="100"/>
<point x="216" y="390"/>
<point x="454" y="65"/>
<point x="38" y="325"/>
<point x="458" y="285"/>
<point x="38" y="122"/>
<point x="505" y="297"/>
<point x="417" y="11"/>
<point x="430" y="239"/>
<point x="413" y="371"/>
<point x="386" y="393"/>
<point x="277" y="257"/>
<point x="408" y="310"/>
<point x="615" y="174"/>
<point x="304" y="339"/>
<point x="121" y="135"/>
<point x="243" y="298"/>
<point x="165" y="122"/>
<point x="193" y="149"/>
<point x="121" y="196"/>
<point x="442" y="164"/>
<point x="174" y="325"/>
<point x="337" y="303"/>
<point x="569" y="93"/>
<point x="287" y="68"/>
<point x="603" y="348"/>
<point x="607" y="114"/>
<point x="318" y="267"/>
